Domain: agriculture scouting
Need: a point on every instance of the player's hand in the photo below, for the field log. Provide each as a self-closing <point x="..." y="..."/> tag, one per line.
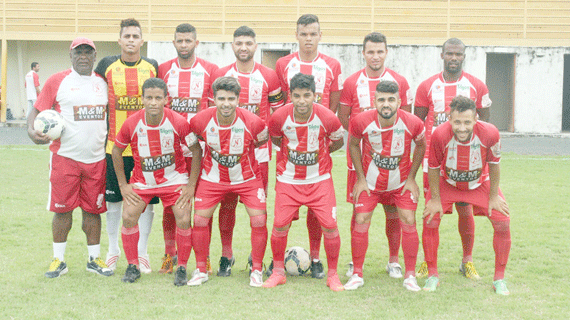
<point x="38" y="137"/>
<point x="186" y="195"/>
<point x="412" y="186"/>
<point x="129" y="195"/>
<point x="499" y="204"/>
<point x="359" y="187"/>
<point x="432" y="208"/>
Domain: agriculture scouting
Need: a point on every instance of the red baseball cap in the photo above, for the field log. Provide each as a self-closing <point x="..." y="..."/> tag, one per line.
<point x="81" y="40"/>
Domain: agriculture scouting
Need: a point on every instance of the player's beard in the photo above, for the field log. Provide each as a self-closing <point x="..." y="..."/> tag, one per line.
<point x="186" y="56"/>
<point x="392" y="113"/>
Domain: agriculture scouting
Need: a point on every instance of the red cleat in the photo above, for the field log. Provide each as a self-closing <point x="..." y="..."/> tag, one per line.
<point x="333" y="282"/>
<point x="275" y="280"/>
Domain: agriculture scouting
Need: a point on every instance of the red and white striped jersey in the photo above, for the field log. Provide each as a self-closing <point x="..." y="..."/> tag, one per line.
<point x="358" y="94"/>
<point x="436" y="95"/>
<point x="157" y="154"/>
<point x="304" y="156"/>
<point x="82" y="102"/>
<point x="386" y="151"/>
<point x="187" y="88"/>
<point x="464" y="165"/>
<point x="260" y="92"/>
<point x="326" y="70"/>
<point x="229" y="156"/>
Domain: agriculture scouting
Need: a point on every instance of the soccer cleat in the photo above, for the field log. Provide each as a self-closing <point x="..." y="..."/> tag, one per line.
<point x="180" y="278"/>
<point x="198" y="278"/>
<point x="422" y="271"/>
<point x="500" y="287"/>
<point x="144" y="264"/>
<point x="317" y="269"/>
<point x="209" y="266"/>
<point x="269" y="270"/>
<point x="394" y="270"/>
<point x="431" y="284"/>
<point x="132" y="274"/>
<point x="354" y="282"/>
<point x="111" y="261"/>
<point x="275" y="280"/>
<point x="350" y="270"/>
<point x="411" y="284"/>
<point x="256" y="278"/>
<point x="334" y="283"/>
<point x="468" y="270"/>
<point x="56" y="268"/>
<point x="226" y="265"/>
<point x="99" y="267"/>
<point x="168" y="263"/>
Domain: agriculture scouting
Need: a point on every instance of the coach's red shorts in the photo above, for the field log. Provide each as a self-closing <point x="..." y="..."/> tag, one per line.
<point x="168" y="195"/>
<point x="75" y="184"/>
<point x="479" y="198"/>
<point x="394" y="198"/>
<point x="209" y="194"/>
<point x="319" y="197"/>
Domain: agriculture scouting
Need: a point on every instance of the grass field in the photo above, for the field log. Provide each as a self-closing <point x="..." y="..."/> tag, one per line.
<point x="535" y="187"/>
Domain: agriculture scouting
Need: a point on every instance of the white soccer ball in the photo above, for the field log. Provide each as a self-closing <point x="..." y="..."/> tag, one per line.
<point x="50" y="123"/>
<point x="297" y="261"/>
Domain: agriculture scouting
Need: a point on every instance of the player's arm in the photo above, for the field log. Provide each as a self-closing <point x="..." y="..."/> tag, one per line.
<point x="344" y="115"/>
<point x="336" y="145"/>
<point x="127" y="191"/>
<point x="356" y="156"/>
<point x="433" y="206"/>
<point x="495" y="201"/>
<point x="36" y="136"/>
<point x="37" y="89"/>
<point x="334" y="101"/>
<point x="421" y="112"/>
<point x="411" y="184"/>
<point x="484" y="114"/>
<point x="187" y="191"/>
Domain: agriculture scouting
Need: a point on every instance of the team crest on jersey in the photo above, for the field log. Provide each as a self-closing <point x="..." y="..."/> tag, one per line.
<point x="236" y="143"/>
<point x="197" y="87"/>
<point x="399" y="145"/>
<point x="149" y="164"/>
<point x="97" y="89"/>
<point x="313" y="140"/>
<point x="462" y="175"/>
<point x="167" y="143"/>
<point x="476" y="159"/>
<point x="89" y="113"/>
<point x="142" y="133"/>
<point x="226" y="160"/>
<point x="303" y="158"/>
<point x="386" y="163"/>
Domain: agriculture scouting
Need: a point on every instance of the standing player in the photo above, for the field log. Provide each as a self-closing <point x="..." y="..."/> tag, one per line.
<point x="261" y="94"/>
<point x="155" y="136"/>
<point x="188" y="79"/>
<point x="358" y="96"/>
<point x="464" y="167"/>
<point x="386" y="175"/>
<point x="77" y="159"/>
<point x="432" y="101"/>
<point x="328" y="85"/>
<point x="230" y="135"/>
<point x="32" y="84"/>
<point x="307" y="133"/>
<point x="125" y="74"/>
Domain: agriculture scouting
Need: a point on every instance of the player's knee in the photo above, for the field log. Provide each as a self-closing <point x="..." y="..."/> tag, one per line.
<point x="330" y="233"/>
<point x="258" y="221"/>
<point x="280" y="232"/>
<point x="434" y="222"/>
<point x="200" y="221"/>
<point x="501" y="226"/>
<point x="408" y="220"/>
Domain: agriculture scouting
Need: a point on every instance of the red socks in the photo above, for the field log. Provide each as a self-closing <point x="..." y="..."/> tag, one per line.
<point x="315" y="232"/>
<point x="201" y="241"/>
<point x="466" y="228"/>
<point x="502" y="246"/>
<point x="227" y="221"/>
<point x="332" y="248"/>
<point x="258" y="240"/>
<point x="430" y="242"/>
<point x="359" y="244"/>
<point x="184" y="241"/>
<point x="410" y="245"/>
<point x="130" y="237"/>
<point x="169" y="229"/>
<point x="278" y="247"/>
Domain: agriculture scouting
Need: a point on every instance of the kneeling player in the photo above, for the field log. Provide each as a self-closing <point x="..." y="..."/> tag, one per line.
<point x="307" y="133"/>
<point x="229" y="167"/>
<point x="385" y="175"/>
<point x="463" y="163"/>
<point x="155" y="135"/>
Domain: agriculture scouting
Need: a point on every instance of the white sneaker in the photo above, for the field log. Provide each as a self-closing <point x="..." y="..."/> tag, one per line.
<point x="350" y="270"/>
<point x="111" y="260"/>
<point x="354" y="283"/>
<point x="411" y="284"/>
<point x="198" y="278"/>
<point x="394" y="270"/>
<point x="256" y="278"/>
<point x="144" y="264"/>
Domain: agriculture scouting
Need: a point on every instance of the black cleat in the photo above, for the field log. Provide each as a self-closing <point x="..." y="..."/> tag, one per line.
<point x="269" y="270"/>
<point x="226" y="265"/>
<point x="132" y="274"/>
<point x="317" y="270"/>
<point x="180" y="278"/>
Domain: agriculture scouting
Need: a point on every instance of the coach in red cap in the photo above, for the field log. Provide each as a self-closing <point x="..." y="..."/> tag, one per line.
<point x="77" y="160"/>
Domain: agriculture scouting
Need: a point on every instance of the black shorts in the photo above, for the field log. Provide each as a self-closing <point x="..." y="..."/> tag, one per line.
<point x="113" y="192"/>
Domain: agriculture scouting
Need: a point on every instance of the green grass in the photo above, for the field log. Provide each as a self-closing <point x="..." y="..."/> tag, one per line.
<point x="535" y="187"/>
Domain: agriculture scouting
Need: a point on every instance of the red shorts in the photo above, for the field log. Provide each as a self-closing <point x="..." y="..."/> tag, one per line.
<point x="168" y="195"/>
<point x="394" y="198"/>
<point x="479" y="198"/>
<point x="75" y="184"/>
<point x="209" y="194"/>
<point x="319" y="197"/>
<point x="350" y="182"/>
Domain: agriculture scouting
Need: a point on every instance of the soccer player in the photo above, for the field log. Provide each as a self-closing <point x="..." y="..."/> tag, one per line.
<point x="125" y="74"/>
<point x="432" y="100"/>
<point x="155" y="135"/>
<point x="77" y="158"/>
<point x="230" y="135"/>
<point x="385" y="175"/>
<point x="261" y="94"/>
<point x="188" y="79"/>
<point x="358" y="96"/>
<point x="307" y="133"/>
<point x="328" y="85"/>
<point x="464" y="167"/>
